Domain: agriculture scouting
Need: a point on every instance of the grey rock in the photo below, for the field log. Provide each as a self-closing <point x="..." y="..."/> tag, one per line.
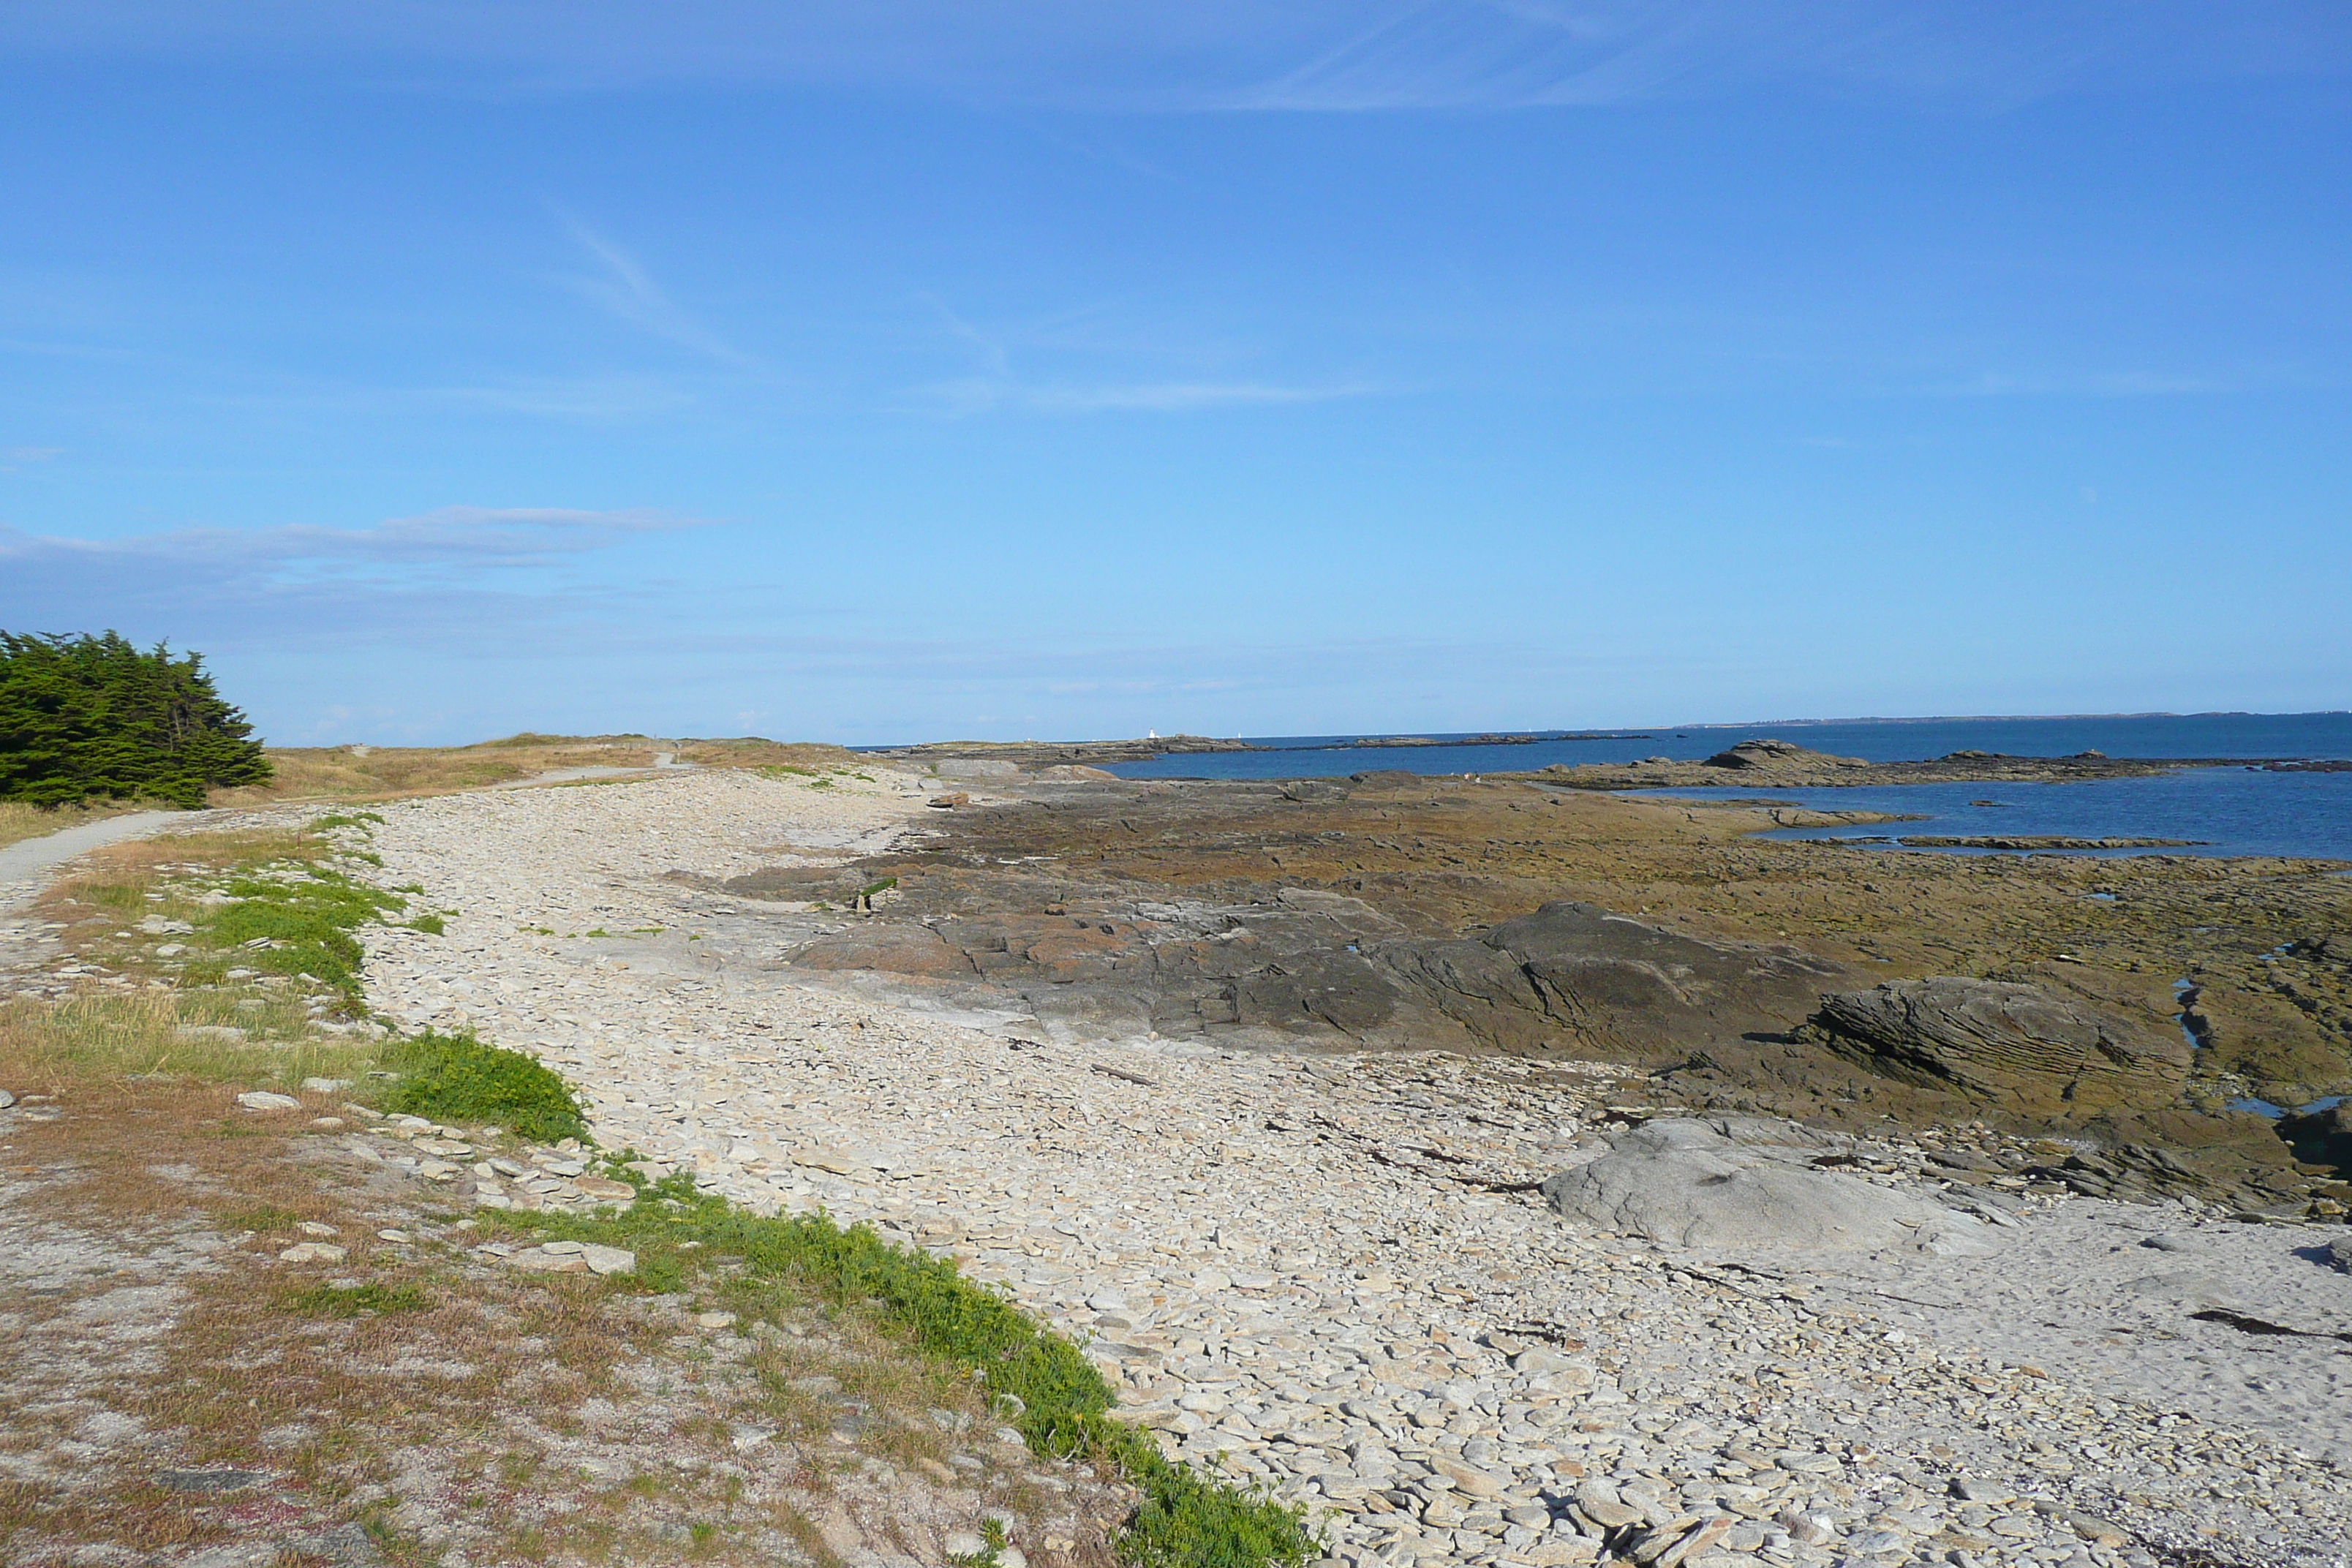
<point x="1681" y="1182"/>
<point x="1768" y="756"/>
<point x="2173" y="1241"/>
<point x="2021" y="1046"/>
<point x="1616" y="982"/>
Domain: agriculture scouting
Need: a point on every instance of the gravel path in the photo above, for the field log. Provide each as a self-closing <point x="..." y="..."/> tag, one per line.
<point x="1316" y="1270"/>
<point x="25" y="864"/>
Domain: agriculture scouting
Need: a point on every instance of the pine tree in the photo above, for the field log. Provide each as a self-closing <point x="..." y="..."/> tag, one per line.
<point x="93" y="717"/>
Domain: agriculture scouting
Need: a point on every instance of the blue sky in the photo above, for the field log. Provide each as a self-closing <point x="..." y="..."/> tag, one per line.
<point x="893" y="371"/>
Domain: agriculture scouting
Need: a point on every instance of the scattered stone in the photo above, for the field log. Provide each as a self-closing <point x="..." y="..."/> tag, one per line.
<point x="608" y="1259"/>
<point x="312" y="1252"/>
<point x="1329" y="1268"/>
<point x="267" y="1100"/>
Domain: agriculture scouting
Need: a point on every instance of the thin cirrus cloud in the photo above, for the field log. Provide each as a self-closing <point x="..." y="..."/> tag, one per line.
<point x="493" y="576"/>
<point x="473" y="535"/>
<point x="589" y="398"/>
<point x="1224" y="56"/>
<point x="623" y="290"/>
<point x="979" y="395"/>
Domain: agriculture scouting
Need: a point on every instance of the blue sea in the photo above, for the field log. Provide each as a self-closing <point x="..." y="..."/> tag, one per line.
<point x="2237" y="811"/>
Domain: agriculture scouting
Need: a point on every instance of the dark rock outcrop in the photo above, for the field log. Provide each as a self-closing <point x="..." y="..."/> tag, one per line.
<point x="2018" y="1045"/>
<point x="1309" y="965"/>
<point x="1626" y="985"/>
<point x="1779" y="756"/>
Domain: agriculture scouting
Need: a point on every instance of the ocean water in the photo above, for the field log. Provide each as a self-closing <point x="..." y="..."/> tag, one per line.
<point x="2300" y="735"/>
<point x="2235" y="810"/>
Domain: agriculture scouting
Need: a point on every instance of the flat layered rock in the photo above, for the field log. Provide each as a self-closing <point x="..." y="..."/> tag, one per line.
<point x="1624" y="984"/>
<point x="1685" y="1184"/>
<point x="2020" y="1046"/>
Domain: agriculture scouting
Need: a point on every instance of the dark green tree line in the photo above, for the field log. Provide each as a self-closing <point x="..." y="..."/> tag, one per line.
<point x="93" y="717"/>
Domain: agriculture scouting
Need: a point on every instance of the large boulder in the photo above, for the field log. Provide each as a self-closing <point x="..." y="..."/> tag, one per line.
<point x="2019" y="1045"/>
<point x="1685" y="1184"/>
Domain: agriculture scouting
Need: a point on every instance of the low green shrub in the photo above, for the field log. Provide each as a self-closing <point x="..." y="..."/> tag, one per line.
<point x="308" y="921"/>
<point x="350" y="1300"/>
<point x="458" y="1078"/>
<point x="1187" y="1519"/>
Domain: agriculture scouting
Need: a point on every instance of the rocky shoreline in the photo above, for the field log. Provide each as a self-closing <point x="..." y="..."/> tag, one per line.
<point x="1338" y="1271"/>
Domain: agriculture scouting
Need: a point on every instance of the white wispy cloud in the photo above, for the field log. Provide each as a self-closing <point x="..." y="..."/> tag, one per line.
<point x="584" y="397"/>
<point x="472" y="537"/>
<point x="1177" y="398"/>
<point x="1003" y="378"/>
<point x="983" y="396"/>
<point x="19" y="457"/>
<point x="1225" y="55"/>
<point x="487" y="581"/>
<point x="623" y="290"/>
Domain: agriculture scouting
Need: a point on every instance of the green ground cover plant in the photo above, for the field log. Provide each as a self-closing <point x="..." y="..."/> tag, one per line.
<point x="458" y="1078"/>
<point x="94" y="717"/>
<point x="331" y="1301"/>
<point x="305" y="919"/>
<point x="1050" y="1393"/>
<point x="684" y="1240"/>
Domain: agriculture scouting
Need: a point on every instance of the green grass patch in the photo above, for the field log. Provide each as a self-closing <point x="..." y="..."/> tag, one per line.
<point x="350" y="1302"/>
<point x="261" y="1220"/>
<point x="1188" y="1519"/>
<point x="430" y="925"/>
<point x="335" y="819"/>
<point x="884" y="885"/>
<point x="458" y="1078"/>
<point x="307" y="921"/>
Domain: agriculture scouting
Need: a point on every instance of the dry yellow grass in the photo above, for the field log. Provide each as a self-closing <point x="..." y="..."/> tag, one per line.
<point x="750" y="752"/>
<point x="342" y="773"/>
<point x="102" y="1036"/>
<point x="411" y="1388"/>
<point x="359" y="774"/>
